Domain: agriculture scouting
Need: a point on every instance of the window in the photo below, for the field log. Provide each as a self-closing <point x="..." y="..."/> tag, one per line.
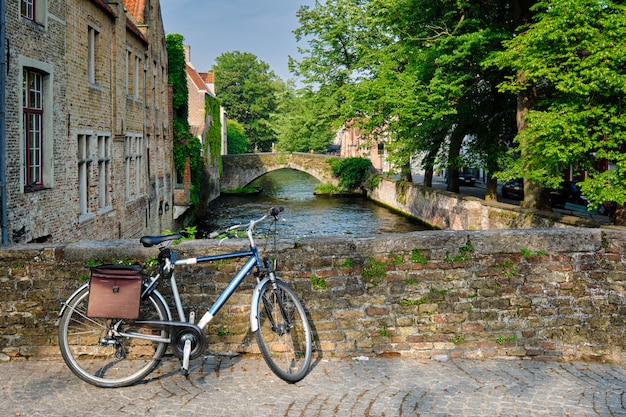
<point x="27" y="9"/>
<point x="104" y="169"/>
<point x="84" y="168"/>
<point x="128" y="73"/>
<point x="32" y="90"/>
<point x="92" y="45"/>
<point x="136" y="81"/>
<point x="133" y="162"/>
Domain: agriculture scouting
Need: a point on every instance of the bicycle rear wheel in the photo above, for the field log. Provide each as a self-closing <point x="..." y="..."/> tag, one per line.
<point x="283" y="335"/>
<point x="92" y="349"/>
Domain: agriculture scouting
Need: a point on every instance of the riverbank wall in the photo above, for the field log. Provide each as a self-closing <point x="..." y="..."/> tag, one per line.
<point x="451" y="211"/>
<point x="548" y="294"/>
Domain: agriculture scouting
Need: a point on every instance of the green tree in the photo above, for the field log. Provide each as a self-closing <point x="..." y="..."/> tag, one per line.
<point x="298" y="122"/>
<point x="574" y="55"/>
<point x="236" y="136"/>
<point x="411" y="70"/>
<point x="248" y="89"/>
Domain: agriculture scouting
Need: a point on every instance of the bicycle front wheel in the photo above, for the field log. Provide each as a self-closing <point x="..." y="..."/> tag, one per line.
<point x="284" y="334"/>
<point x="93" y="349"/>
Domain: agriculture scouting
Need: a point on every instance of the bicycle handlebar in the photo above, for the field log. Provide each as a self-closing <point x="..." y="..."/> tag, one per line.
<point x="273" y="212"/>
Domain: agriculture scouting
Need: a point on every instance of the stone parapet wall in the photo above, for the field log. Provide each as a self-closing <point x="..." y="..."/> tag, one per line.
<point x="446" y="210"/>
<point x="540" y="293"/>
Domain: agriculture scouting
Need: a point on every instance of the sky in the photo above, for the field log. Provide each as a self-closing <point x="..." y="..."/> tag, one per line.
<point x="212" y="27"/>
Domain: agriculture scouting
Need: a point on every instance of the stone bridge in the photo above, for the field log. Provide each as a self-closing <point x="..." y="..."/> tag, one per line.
<point x="241" y="170"/>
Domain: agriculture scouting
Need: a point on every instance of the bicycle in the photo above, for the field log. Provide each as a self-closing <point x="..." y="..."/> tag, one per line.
<point x="115" y="352"/>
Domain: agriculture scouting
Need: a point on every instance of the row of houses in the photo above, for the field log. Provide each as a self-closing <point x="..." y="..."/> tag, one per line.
<point x="86" y="134"/>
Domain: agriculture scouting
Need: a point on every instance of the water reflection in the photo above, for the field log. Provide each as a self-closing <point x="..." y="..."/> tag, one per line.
<point x="306" y="214"/>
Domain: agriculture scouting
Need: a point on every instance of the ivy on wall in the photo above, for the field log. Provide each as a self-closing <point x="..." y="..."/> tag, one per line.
<point x="213" y="138"/>
<point x="186" y="146"/>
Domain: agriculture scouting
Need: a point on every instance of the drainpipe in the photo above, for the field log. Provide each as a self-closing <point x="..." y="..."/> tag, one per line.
<point x="3" y="159"/>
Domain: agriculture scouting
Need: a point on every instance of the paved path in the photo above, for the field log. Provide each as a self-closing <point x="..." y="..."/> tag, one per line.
<point x="336" y="387"/>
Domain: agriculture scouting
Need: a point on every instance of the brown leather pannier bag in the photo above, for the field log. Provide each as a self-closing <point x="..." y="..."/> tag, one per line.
<point x="114" y="291"/>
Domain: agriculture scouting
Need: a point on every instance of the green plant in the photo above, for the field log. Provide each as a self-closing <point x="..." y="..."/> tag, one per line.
<point x="373" y="270"/>
<point x="372" y="181"/>
<point x="152" y="261"/>
<point x="509" y="267"/>
<point x="507" y="263"/>
<point x="465" y="251"/>
<point x="347" y="263"/>
<point x="463" y="255"/>
<point x="351" y="172"/>
<point x="416" y="257"/>
<point x="385" y="332"/>
<point x="410" y="281"/>
<point x="224" y="332"/>
<point x="318" y="283"/>
<point x="124" y="260"/>
<point x="327" y="188"/>
<point x="501" y="339"/>
<point x="189" y="232"/>
<point x="527" y="253"/>
<point x="458" y="339"/>
<point x="440" y="292"/>
<point x="408" y="302"/>
<point x="396" y="259"/>
<point x="93" y="262"/>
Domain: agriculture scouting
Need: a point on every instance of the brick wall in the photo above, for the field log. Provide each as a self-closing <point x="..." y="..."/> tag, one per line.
<point x="56" y="45"/>
<point x="547" y="294"/>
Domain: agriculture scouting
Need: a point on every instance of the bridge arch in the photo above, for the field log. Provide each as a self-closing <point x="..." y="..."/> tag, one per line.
<point x="240" y="170"/>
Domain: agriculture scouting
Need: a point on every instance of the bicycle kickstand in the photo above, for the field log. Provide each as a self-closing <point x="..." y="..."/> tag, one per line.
<point x="184" y="369"/>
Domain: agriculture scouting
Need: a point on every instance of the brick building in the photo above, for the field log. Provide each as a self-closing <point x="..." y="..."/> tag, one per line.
<point x="202" y="89"/>
<point x="88" y="131"/>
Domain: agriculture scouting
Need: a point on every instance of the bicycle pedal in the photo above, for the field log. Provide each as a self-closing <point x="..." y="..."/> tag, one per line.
<point x="184" y="372"/>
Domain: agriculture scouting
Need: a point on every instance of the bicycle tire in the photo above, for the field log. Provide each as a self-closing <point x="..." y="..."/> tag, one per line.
<point x="284" y="342"/>
<point x="108" y="361"/>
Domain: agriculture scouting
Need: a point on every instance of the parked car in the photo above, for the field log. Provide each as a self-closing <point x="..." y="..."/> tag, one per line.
<point x="467" y="179"/>
<point x="568" y="193"/>
<point x="608" y="208"/>
<point x="513" y="189"/>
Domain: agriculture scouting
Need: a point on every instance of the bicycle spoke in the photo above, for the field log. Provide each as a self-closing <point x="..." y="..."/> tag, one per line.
<point x="284" y="336"/>
<point x="95" y="352"/>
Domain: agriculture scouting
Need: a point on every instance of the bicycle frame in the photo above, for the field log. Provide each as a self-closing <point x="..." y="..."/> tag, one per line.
<point x="253" y="261"/>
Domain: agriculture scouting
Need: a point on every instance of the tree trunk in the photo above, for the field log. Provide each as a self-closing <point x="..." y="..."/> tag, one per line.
<point x="456" y="141"/>
<point x="405" y="173"/>
<point x="429" y="163"/>
<point x="534" y="197"/>
<point x="491" y="191"/>
<point x="619" y="218"/>
<point x="428" y="177"/>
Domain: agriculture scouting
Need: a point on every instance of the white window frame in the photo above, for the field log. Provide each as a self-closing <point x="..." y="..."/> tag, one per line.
<point x="84" y="159"/>
<point x="92" y="52"/>
<point x="128" y="73"/>
<point x="27" y="9"/>
<point x="104" y="171"/>
<point x="133" y="161"/>
<point x="33" y="125"/>
<point x="137" y="79"/>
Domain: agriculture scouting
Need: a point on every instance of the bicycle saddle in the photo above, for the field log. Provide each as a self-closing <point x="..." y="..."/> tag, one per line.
<point x="150" y="241"/>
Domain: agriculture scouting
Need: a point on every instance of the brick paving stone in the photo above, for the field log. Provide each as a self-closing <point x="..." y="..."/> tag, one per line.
<point x="244" y="386"/>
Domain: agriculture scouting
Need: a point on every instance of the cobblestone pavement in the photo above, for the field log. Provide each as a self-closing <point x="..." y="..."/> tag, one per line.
<point x="244" y="386"/>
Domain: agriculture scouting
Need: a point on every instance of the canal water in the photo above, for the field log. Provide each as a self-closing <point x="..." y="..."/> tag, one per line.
<point x="305" y="213"/>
